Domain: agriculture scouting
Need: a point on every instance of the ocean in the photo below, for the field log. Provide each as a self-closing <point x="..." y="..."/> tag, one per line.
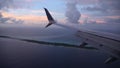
<point x="21" y="54"/>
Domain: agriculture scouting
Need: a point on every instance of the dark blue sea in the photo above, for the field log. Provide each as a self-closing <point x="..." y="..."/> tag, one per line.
<point x="20" y="54"/>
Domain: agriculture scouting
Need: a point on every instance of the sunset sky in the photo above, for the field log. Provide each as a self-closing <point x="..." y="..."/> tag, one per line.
<point x="31" y="11"/>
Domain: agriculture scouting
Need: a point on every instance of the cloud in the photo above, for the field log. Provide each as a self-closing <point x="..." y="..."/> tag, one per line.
<point x="25" y="3"/>
<point x="4" y="5"/>
<point x="2" y="19"/>
<point x="112" y="19"/>
<point x="37" y="12"/>
<point x="100" y="21"/>
<point x="9" y="18"/>
<point x="26" y="18"/>
<point x="110" y="6"/>
<point x="72" y="12"/>
<point x="83" y="2"/>
<point x="102" y="11"/>
<point x="95" y="8"/>
<point x="104" y="19"/>
<point x="32" y="18"/>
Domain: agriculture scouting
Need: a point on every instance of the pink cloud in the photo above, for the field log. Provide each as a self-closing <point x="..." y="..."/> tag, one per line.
<point x="113" y="17"/>
<point x="28" y="18"/>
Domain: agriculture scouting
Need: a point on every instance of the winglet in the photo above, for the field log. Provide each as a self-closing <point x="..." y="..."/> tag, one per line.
<point x="49" y="17"/>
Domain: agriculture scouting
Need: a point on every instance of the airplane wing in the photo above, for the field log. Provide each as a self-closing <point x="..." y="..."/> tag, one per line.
<point x="45" y="43"/>
<point x="105" y="42"/>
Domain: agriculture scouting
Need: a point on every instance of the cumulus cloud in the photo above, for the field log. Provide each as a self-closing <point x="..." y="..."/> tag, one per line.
<point x="101" y="9"/>
<point x="72" y="12"/>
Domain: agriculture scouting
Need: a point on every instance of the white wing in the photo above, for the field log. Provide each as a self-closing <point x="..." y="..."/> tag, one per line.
<point x="105" y="42"/>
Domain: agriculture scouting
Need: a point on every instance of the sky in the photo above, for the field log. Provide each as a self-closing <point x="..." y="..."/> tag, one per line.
<point x="70" y="11"/>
